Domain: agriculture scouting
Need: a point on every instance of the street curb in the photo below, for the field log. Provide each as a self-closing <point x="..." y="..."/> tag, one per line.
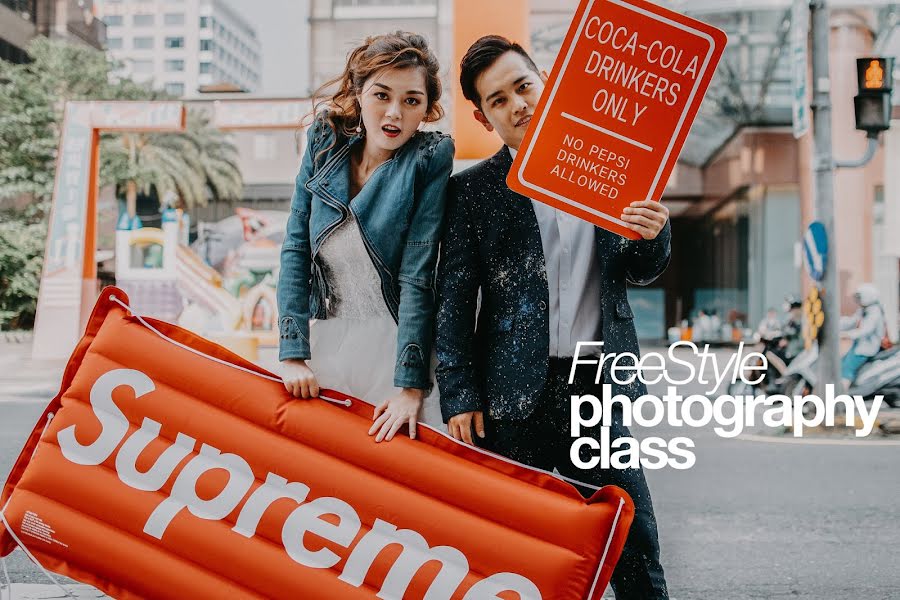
<point x="35" y="591"/>
<point x="29" y="391"/>
<point x="16" y="337"/>
<point x="816" y="441"/>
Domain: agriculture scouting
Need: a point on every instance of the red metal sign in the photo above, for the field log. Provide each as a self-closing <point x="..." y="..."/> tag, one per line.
<point x="618" y="106"/>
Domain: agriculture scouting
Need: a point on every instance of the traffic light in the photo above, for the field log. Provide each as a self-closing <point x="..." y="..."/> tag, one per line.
<point x="873" y="104"/>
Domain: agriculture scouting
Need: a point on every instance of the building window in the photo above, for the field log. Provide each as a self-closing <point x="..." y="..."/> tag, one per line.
<point x="174" y="65"/>
<point x="206" y="45"/>
<point x="143" y="20"/>
<point x="113" y="43"/>
<point x="204" y="22"/>
<point x="142" y="66"/>
<point x="174" y="42"/>
<point x="113" y="20"/>
<point x="173" y="19"/>
<point x="143" y="43"/>
<point x="205" y="68"/>
<point x="175" y="89"/>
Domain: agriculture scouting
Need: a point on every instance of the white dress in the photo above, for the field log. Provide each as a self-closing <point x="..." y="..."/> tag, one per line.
<point x="354" y="350"/>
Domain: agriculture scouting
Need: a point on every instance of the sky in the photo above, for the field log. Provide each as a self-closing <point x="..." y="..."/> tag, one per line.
<point x="283" y="31"/>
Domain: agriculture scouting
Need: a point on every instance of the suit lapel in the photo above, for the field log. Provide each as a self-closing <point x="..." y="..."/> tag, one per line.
<point x="518" y="207"/>
<point x="516" y="219"/>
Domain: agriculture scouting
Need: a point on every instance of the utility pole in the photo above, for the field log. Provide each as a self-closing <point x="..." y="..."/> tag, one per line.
<point x="823" y="163"/>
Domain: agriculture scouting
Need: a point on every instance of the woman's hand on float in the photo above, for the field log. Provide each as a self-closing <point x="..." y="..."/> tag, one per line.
<point x="395" y="412"/>
<point x="298" y="378"/>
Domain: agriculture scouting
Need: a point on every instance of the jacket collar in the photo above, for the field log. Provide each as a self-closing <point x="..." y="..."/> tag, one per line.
<point x="333" y="177"/>
<point x="502" y="160"/>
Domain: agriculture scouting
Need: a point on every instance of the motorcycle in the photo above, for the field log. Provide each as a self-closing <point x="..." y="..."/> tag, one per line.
<point x="879" y="376"/>
<point x="768" y="347"/>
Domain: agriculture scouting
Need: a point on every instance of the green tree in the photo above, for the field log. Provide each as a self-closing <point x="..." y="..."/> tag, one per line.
<point x="21" y="251"/>
<point x="197" y="165"/>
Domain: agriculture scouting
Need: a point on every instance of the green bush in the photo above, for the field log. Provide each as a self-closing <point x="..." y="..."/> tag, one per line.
<point x="21" y="255"/>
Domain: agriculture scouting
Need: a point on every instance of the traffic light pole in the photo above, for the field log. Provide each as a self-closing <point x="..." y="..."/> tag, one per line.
<point x="829" y="334"/>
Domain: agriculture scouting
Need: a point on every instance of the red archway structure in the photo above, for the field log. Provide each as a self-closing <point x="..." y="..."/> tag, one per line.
<point x="69" y="278"/>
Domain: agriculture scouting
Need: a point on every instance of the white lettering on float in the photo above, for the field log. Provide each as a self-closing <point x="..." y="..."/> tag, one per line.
<point x="415" y="550"/>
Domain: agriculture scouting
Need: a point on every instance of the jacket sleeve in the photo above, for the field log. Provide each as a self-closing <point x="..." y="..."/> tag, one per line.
<point x="415" y="331"/>
<point x="294" y="276"/>
<point x="869" y="325"/>
<point x="645" y="260"/>
<point x="458" y="285"/>
<point x="849" y="322"/>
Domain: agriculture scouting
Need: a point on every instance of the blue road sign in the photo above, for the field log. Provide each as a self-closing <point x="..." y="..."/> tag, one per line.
<point x="815" y="250"/>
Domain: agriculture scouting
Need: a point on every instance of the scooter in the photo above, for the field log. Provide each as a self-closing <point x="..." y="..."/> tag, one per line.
<point x="879" y="376"/>
<point x="776" y="369"/>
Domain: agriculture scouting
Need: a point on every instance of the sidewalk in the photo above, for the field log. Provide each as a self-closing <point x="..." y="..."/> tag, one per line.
<point x="23" y="379"/>
<point x="35" y="591"/>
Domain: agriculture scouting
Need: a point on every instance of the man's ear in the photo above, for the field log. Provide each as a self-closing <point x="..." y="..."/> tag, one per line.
<point x="544" y="76"/>
<point x="479" y="116"/>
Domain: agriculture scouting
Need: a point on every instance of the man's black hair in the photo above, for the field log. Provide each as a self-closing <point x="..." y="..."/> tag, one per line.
<point x="480" y="56"/>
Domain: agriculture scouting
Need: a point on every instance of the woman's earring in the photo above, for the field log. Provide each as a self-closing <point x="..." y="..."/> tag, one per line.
<point x="359" y="125"/>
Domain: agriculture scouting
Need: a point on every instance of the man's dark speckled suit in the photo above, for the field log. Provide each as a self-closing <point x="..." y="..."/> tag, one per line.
<point x="492" y="244"/>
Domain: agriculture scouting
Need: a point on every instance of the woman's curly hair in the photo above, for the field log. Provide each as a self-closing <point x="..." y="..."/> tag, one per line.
<point x="341" y="110"/>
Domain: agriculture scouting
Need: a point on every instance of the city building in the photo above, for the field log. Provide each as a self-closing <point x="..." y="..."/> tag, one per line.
<point x="183" y="46"/>
<point x="23" y="20"/>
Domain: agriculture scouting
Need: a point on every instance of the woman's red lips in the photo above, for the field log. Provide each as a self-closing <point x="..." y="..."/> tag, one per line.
<point x="390" y="131"/>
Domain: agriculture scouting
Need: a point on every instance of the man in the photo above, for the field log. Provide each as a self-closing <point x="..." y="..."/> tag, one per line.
<point x="770" y="327"/>
<point x="547" y="280"/>
<point x="792" y="342"/>
<point x="866" y="328"/>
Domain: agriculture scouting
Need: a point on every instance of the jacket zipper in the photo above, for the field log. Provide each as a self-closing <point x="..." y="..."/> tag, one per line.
<point x="345" y="211"/>
<point x="376" y="262"/>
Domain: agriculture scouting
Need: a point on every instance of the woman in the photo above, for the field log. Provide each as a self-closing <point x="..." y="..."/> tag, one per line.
<point x="362" y="237"/>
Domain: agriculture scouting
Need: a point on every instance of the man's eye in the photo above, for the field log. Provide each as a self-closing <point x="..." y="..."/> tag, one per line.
<point x="498" y="102"/>
<point x="524" y="85"/>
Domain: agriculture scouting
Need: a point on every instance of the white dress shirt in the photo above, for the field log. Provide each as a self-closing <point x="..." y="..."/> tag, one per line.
<point x="570" y="254"/>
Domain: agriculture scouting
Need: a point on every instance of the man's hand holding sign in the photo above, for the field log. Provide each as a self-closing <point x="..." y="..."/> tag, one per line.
<point x="646" y="217"/>
<point x="626" y="86"/>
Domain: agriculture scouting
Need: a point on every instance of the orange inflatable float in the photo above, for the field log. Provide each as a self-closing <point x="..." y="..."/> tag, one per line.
<point x="168" y="467"/>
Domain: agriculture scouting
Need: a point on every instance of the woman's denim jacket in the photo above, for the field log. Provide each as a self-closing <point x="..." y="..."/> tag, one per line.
<point x="401" y="223"/>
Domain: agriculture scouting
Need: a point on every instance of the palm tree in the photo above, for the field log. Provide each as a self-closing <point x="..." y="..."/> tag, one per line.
<point x="197" y="164"/>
